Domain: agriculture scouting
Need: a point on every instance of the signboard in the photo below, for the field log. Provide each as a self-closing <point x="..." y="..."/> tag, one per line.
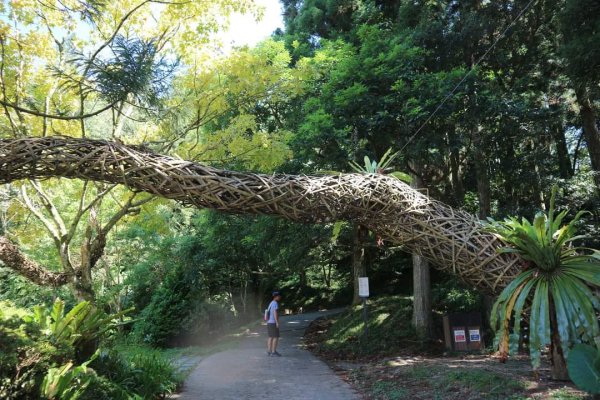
<point x="474" y="335"/>
<point x="459" y="336"/>
<point x="363" y="287"/>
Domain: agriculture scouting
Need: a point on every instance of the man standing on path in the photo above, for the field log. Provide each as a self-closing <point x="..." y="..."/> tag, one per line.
<point x="273" y="326"/>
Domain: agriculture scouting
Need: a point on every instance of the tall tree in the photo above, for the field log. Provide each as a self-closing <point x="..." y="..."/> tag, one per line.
<point x="91" y="68"/>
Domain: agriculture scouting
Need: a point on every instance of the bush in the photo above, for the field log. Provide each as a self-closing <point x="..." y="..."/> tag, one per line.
<point x="173" y="319"/>
<point x="67" y="382"/>
<point x="42" y="345"/>
<point x="133" y="370"/>
<point x="26" y="354"/>
<point x="102" y="388"/>
<point x="314" y="298"/>
<point x="179" y="313"/>
<point x="450" y="296"/>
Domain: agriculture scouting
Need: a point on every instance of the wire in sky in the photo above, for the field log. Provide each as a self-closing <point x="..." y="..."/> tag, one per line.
<point x="449" y="95"/>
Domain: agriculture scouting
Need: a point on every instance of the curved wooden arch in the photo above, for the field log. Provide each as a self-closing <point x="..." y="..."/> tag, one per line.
<point x="452" y="240"/>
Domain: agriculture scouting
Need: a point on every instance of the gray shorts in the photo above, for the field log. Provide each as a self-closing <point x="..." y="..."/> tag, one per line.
<point x="273" y="330"/>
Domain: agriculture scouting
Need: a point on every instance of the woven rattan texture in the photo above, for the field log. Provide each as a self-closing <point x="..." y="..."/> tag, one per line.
<point x="452" y="240"/>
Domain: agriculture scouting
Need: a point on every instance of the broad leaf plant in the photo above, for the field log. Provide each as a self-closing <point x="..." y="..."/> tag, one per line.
<point x="556" y="286"/>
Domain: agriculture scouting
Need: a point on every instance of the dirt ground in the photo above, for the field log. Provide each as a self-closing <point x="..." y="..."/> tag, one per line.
<point x="451" y="377"/>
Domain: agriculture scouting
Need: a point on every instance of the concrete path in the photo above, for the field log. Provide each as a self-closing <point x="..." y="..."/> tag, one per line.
<point x="246" y="373"/>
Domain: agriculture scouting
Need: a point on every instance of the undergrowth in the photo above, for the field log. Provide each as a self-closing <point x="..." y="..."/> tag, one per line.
<point x="389" y="331"/>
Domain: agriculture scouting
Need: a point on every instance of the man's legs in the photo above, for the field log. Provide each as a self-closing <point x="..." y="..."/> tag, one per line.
<point x="273" y="340"/>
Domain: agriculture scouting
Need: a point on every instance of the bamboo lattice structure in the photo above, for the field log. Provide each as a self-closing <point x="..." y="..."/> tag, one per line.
<point x="452" y="240"/>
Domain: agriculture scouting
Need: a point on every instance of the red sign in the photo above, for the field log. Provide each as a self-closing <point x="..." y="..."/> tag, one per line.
<point x="459" y="336"/>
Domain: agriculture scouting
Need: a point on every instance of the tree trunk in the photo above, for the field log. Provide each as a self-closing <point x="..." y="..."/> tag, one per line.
<point x="590" y="130"/>
<point x="421" y="297"/>
<point x="456" y="178"/>
<point x="359" y="268"/>
<point x="303" y="280"/>
<point x="562" y="152"/>
<point x="452" y="240"/>
<point x="421" y="278"/>
<point x="483" y="179"/>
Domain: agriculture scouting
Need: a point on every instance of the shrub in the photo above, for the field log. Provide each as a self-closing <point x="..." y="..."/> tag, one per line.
<point x="449" y="296"/>
<point x="38" y="357"/>
<point x="80" y="328"/>
<point x="67" y="382"/>
<point x="102" y="388"/>
<point x="138" y="370"/>
<point x="26" y="354"/>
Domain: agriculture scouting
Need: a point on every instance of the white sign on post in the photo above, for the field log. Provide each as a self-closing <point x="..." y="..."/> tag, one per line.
<point x="363" y="287"/>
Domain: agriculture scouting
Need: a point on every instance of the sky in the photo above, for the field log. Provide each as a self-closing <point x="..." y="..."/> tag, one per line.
<point x="244" y="30"/>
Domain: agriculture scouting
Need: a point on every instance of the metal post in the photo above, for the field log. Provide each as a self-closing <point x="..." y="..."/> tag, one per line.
<point x="365" y="316"/>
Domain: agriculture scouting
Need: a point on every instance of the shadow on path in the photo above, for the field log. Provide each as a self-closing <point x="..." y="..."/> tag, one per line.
<point x="246" y="372"/>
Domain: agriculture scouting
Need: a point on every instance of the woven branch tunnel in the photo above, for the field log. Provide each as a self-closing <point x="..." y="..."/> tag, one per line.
<point x="452" y="240"/>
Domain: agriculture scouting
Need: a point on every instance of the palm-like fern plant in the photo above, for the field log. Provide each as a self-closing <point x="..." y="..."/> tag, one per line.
<point x="380" y="167"/>
<point x="556" y="284"/>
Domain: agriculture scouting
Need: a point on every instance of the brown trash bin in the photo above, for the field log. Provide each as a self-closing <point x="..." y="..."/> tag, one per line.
<point x="462" y="331"/>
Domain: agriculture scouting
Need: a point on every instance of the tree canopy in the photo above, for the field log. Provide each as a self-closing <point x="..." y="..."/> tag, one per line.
<point x="490" y="104"/>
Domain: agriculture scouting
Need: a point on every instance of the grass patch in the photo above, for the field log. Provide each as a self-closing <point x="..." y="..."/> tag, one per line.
<point x="488" y="385"/>
<point x="389" y="391"/>
<point x="389" y="331"/>
<point x="434" y="379"/>
<point x="436" y="382"/>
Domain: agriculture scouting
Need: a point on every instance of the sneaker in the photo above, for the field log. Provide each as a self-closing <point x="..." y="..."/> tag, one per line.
<point x="275" y="354"/>
<point x="269" y="354"/>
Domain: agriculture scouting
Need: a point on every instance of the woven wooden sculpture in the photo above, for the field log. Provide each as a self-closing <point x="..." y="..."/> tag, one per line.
<point x="452" y="240"/>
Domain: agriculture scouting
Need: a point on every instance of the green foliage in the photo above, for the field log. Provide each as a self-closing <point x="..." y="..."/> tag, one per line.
<point x="492" y="385"/>
<point x="389" y="329"/>
<point x="176" y="308"/>
<point x="545" y="243"/>
<point x="430" y="381"/>
<point x="381" y="167"/>
<point x="174" y="317"/>
<point x="389" y="391"/>
<point x="583" y="364"/>
<point x="39" y="350"/>
<point x="133" y="370"/>
<point x="24" y="293"/>
<point x="26" y="354"/>
<point x="557" y="277"/>
<point x="80" y="328"/>
<point x="136" y="70"/>
<point x="67" y="382"/>
<point x="450" y="296"/>
<point x="581" y="29"/>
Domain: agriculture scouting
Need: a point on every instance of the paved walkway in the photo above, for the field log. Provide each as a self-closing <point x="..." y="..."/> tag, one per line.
<point x="246" y="373"/>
